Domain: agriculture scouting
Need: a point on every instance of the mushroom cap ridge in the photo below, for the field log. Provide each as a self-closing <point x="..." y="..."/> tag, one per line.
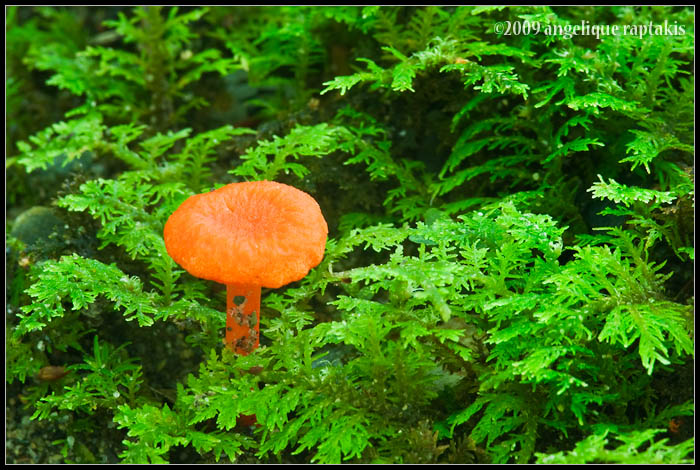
<point x="254" y="233"/>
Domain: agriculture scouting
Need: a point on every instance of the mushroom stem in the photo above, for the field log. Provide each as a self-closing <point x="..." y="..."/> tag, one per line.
<point x="242" y="318"/>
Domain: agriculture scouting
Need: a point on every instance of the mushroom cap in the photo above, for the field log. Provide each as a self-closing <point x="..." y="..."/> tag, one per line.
<point x="259" y="233"/>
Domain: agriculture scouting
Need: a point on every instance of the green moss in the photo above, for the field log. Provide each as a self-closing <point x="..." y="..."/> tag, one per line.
<point x="509" y="271"/>
<point x="39" y="228"/>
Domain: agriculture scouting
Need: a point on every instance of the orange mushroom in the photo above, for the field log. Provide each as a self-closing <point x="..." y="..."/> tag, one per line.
<point x="247" y="236"/>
